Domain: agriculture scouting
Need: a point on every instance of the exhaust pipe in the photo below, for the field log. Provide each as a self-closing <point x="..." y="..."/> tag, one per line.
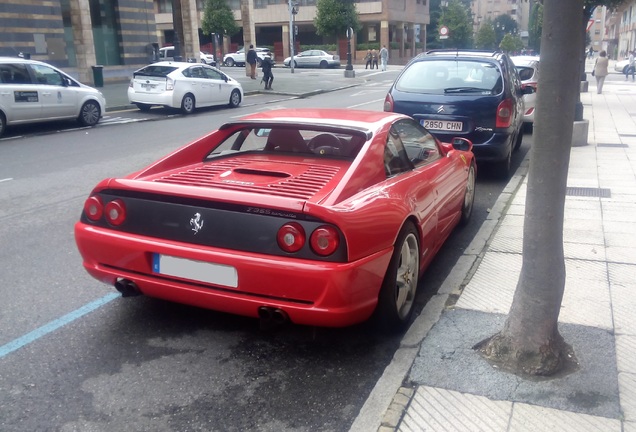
<point x="127" y="288"/>
<point x="271" y="317"/>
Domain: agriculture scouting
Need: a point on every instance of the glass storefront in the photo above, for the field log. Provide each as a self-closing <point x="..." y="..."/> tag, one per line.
<point x="106" y="32"/>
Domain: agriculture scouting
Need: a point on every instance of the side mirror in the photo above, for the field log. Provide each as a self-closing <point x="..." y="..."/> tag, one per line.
<point x="462" y="144"/>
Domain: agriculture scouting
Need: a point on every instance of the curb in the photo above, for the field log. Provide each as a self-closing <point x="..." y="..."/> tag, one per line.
<point x="384" y="408"/>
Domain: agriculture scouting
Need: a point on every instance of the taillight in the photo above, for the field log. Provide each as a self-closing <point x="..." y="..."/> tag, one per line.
<point x="324" y="240"/>
<point x="131" y="83"/>
<point x="94" y="208"/>
<point x="504" y="114"/>
<point x="291" y="237"/>
<point x="169" y="84"/>
<point x="115" y="212"/>
<point x="388" y="103"/>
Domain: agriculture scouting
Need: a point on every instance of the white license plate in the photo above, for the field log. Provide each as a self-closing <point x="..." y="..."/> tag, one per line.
<point x="442" y="125"/>
<point x="217" y="274"/>
<point x="148" y="86"/>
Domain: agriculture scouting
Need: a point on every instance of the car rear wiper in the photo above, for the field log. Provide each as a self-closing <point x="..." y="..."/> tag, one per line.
<point x="465" y="90"/>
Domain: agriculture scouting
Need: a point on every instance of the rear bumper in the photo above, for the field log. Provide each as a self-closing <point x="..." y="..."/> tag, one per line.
<point x="323" y="294"/>
<point x="165" y="98"/>
<point x="495" y="149"/>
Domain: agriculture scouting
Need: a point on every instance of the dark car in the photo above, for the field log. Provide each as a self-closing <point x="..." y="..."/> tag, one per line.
<point x="471" y="94"/>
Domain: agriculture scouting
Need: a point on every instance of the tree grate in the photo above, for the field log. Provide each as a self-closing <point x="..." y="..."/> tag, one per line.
<point x="612" y="145"/>
<point x="589" y="192"/>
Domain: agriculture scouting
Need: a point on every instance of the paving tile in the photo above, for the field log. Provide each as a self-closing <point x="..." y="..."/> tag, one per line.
<point x="620" y="239"/>
<point x="435" y="409"/>
<point x="627" y="391"/>
<point x="592" y="252"/>
<point x="623" y="307"/>
<point x="621" y="254"/>
<point x="626" y="353"/>
<point x="622" y="275"/>
<point x="532" y="418"/>
<point x="629" y="426"/>
<point x="577" y="235"/>
<point x="586" y="302"/>
<point x="491" y="289"/>
<point x="621" y="228"/>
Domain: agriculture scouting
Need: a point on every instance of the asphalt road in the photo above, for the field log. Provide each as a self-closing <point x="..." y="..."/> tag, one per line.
<point x="76" y="357"/>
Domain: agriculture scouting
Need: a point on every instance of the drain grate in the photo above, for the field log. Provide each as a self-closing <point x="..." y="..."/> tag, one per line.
<point x="612" y="145"/>
<point x="589" y="192"/>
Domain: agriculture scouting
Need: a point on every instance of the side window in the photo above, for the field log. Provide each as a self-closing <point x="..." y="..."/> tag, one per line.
<point x="46" y="75"/>
<point x="14" y="74"/>
<point x="395" y="158"/>
<point x="213" y="74"/>
<point x="420" y="146"/>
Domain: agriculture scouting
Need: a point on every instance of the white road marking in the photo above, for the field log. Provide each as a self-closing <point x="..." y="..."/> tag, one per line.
<point x="6" y="179"/>
<point x="366" y="103"/>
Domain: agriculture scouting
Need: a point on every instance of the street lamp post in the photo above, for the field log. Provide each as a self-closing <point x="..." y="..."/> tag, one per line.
<point x="293" y="10"/>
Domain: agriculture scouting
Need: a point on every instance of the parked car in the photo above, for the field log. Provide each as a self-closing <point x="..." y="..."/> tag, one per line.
<point x="167" y="54"/>
<point x="183" y="85"/>
<point x="238" y="58"/>
<point x="465" y="93"/>
<point x="528" y="70"/>
<point x="314" y="58"/>
<point x="32" y="91"/>
<point x="621" y="66"/>
<point x="315" y="216"/>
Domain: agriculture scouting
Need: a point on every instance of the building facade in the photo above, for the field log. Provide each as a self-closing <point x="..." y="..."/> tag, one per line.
<point x="488" y="10"/>
<point x="122" y="35"/>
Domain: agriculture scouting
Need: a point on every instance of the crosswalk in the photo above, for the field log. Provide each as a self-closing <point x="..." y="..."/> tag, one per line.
<point x="111" y="120"/>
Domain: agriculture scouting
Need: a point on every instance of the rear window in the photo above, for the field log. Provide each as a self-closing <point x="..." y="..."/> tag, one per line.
<point x="451" y="77"/>
<point x="155" y="71"/>
<point x="314" y="142"/>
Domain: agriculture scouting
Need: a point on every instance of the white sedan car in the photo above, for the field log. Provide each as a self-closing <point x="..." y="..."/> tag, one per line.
<point x="183" y="85"/>
<point x="621" y="66"/>
<point x="528" y="70"/>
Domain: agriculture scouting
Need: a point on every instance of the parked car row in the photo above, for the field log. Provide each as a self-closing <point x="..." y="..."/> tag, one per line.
<point x="238" y="58"/>
<point x="167" y="53"/>
<point x="314" y="58"/>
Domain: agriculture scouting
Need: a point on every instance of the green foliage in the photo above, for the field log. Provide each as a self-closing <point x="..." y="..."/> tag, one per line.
<point x="486" y="38"/>
<point x="510" y="43"/>
<point x="503" y="25"/>
<point x="330" y="48"/>
<point x="459" y="23"/>
<point x="334" y="17"/>
<point x="535" y="26"/>
<point x="218" y="18"/>
<point x="368" y="46"/>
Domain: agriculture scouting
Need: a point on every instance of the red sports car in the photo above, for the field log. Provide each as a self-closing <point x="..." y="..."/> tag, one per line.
<point x="315" y="216"/>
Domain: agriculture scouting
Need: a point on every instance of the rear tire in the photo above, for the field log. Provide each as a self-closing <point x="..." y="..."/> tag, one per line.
<point x="235" y="99"/>
<point x="397" y="295"/>
<point x="3" y="123"/>
<point x="229" y="62"/>
<point x="519" y="139"/>
<point x="502" y="168"/>
<point x="90" y="113"/>
<point x="188" y="104"/>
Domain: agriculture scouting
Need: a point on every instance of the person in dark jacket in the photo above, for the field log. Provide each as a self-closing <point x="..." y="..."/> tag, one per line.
<point x="251" y="59"/>
<point x="268" y="76"/>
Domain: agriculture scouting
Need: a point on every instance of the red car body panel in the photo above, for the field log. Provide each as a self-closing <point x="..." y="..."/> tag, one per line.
<point x="355" y="196"/>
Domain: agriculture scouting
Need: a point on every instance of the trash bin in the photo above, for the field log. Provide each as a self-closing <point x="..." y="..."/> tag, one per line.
<point x="98" y="75"/>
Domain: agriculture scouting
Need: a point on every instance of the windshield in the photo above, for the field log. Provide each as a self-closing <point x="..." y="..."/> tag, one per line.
<point x="451" y="76"/>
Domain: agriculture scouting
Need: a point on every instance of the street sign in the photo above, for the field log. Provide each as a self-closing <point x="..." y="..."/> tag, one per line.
<point x="349" y="33"/>
<point x="443" y="32"/>
<point x="590" y="23"/>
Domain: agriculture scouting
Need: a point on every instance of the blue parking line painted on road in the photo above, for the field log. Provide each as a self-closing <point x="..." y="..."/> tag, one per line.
<point x="55" y="324"/>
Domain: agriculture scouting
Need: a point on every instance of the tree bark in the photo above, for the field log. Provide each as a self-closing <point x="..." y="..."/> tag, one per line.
<point x="530" y="342"/>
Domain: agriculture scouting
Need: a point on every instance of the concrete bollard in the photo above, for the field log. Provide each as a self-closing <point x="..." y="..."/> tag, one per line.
<point x="580" y="132"/>
<point x="584" y="86"/>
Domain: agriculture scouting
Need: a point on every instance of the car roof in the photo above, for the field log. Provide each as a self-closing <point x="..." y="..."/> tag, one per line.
<point x="21" y="60"/>
<point x="524" y="60"/>
<point x="462" y="53"/>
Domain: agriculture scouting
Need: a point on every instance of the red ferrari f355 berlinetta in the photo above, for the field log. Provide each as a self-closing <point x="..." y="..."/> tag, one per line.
<point x="319" y="217"/>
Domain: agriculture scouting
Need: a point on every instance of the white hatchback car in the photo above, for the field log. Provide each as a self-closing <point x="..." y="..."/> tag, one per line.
<point x="183" y="85"/>
<point x="32" y="91"/>
<point x="167" y="54"/>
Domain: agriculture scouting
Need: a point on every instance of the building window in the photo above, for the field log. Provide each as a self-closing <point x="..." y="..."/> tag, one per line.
<point x="165" y="6"/>
<point x="106" y="32"/>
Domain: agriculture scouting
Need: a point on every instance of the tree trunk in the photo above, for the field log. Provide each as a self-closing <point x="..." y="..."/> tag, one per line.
<point x="530" y="342"/>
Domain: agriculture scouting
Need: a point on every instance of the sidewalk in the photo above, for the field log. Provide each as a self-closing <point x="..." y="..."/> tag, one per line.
<point x="436" y="381"/>
<point x="302" y="83"/>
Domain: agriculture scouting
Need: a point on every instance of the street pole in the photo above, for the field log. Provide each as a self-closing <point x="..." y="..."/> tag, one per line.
<point x="349" y="72"/>
<point x="292" y="12"/>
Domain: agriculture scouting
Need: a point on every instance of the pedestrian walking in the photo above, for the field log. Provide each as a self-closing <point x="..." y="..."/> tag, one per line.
<point x="600" y="71"/>
<point x="268" y="76"/>
<point x="368" y="58"/>
<point x="384" y="57"/>
<point x="251" y="60"/>
<point x="631" y="66"/>
<point x="374" y="59"/>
